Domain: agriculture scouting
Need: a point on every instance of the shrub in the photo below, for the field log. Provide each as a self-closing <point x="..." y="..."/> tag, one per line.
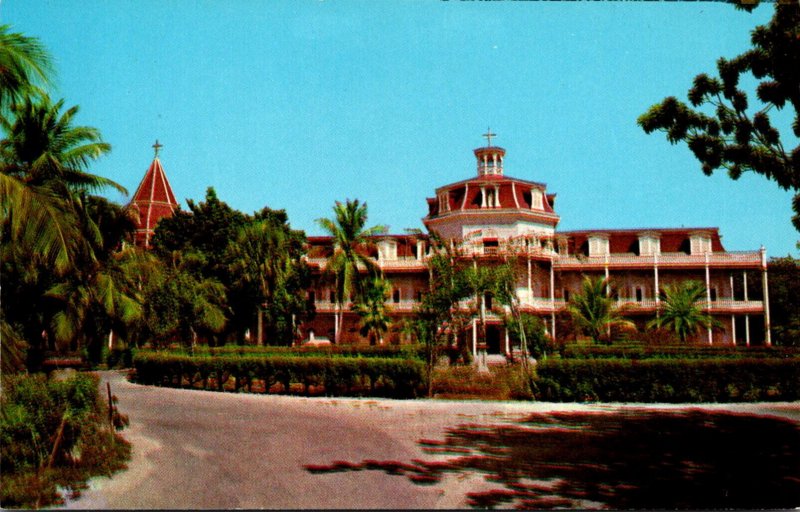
<point x="669" y="380"/>
<point x="54" y="433"/>
<point x="500" y="383"/>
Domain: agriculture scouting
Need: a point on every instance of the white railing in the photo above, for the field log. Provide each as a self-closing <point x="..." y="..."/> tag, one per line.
<point x="665" y="259"/>
<point x="546" y="305"/>
<point x="403" y="262"/>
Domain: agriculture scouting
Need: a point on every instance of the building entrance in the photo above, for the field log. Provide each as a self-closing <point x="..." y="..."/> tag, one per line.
<point x="492" y="339"/>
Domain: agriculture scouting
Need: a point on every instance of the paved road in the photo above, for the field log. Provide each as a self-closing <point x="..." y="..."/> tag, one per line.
<point x="198" y="449"/>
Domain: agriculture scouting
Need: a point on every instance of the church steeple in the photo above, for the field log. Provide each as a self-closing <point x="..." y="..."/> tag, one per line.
<point x="490" y="158"/>
<point x="153" y="200"/>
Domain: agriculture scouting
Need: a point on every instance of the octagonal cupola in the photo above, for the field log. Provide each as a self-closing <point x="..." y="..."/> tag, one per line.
<point x="490" y="158"/>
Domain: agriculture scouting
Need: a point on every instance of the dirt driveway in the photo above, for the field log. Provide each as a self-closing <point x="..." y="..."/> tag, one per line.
<point x="199" y="449"/>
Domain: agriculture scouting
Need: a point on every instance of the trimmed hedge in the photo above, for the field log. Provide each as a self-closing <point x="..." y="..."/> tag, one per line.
<point x="668" y="380"/>
<point x="383" y="351"/>
<point x="338" y="376"/>
<point x="633" y="350"/>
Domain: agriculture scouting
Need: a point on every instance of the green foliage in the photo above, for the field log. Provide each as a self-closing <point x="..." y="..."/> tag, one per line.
<point x="784" y="308"/>
<point x="371" y="308"/>
<point x="640" y="350"/>
<point x="722" y="130"/>
<point x="338" y="376"/>
<point x="668" y="380"/>
<point x="398" y="351"/>
<point x="351" y="239"/>
<point x="594" y="312"/>
<point x="682" y="311"/>
<point x="50" y="222"/>
<point x="179" y="302"/>
<point x="265" y="262"/>
<point x="54" y="432"/>
<point x="25" y="65"/>
<point x="534" y="331"/>
<point x="256" y="258"/>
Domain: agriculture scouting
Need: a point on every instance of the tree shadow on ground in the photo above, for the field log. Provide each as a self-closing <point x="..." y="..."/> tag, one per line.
<point x="633" y="459"/>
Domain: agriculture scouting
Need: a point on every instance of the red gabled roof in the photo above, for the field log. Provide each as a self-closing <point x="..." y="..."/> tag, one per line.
<point x="153" y="200"/>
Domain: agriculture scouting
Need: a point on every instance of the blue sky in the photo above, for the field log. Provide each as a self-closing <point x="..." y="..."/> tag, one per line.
<point x="294" y="105"/>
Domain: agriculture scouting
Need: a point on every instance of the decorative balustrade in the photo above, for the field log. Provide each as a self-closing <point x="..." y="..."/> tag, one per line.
<point x="546" y="305"/>
<point x="664" y="259"/>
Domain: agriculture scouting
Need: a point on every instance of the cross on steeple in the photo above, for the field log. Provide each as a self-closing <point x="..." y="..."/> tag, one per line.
<point x="157" y="147"/>
<point x="489" y="136"/>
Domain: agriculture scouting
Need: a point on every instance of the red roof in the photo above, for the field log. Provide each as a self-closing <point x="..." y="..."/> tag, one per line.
<point x="626" y="240"/>
<point x="153" y="200"/>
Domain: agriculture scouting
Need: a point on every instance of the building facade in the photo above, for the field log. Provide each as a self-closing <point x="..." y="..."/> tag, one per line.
<point x="491" y="216"/>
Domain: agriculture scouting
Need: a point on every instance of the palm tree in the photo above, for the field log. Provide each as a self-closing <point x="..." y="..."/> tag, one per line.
<point x="42" y="174"/>
<point x="683" y="311"/>
<point x="371" y="307"/>
<point x="260" y="257"/>
<point x="94" y="303"/>
<point x="24" y="64"/>
<point x="102" y="291"/>
<point x="350" y="241"/>
<point x="44" y="148"/>
<point x="46" y="218"/>
<point x="593" y="311"/>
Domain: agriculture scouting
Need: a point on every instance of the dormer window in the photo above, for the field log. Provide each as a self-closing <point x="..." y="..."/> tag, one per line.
<point x="537" y="201"/>
<point x="387" y="250"/>
<point x="563" y="247"/>
<point x="490" y="197"/>
<point x="699" y="244"/>
<point x="598" y="245"/>
<point x="649" y="245"/>
<point x="444" y="204"/>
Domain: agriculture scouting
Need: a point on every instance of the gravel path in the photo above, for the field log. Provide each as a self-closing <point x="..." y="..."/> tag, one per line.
<point x="199" y="449"/>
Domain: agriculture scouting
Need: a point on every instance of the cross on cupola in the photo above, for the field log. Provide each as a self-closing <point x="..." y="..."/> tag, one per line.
<point x="489" y="136"/>
<point x="490" y="158"/>
<point x="157" y="147"/>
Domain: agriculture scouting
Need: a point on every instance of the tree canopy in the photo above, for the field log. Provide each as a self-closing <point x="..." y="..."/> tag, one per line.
<point x="724" y="128"/>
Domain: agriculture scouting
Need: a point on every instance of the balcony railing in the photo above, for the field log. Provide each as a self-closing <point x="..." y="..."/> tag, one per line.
<point x="664" y="259"/>
<point x="546" y="305"/>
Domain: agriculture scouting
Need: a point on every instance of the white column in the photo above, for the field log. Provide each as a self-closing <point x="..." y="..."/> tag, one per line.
<point x="767" y="333"/>
<point x="530" y="288"/>
<point x="747" y="330"/>
<point x="553" y="299"/>
<point x="496" y="196"/>
<point x="474" y="338"/>
<point x="483" y="197"/>
<point x="746" y="317"/>
<point x="733" y="317"/>
<point x="708" y="298"/>
<point x="508" y="345"/>
<point x="657" y="288"/>
<point x="608" y="291"/>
